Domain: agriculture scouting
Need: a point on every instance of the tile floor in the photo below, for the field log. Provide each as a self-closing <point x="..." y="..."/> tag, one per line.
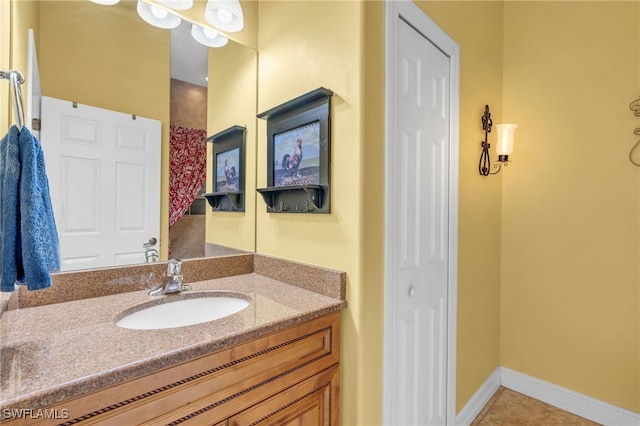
<point x="507" y="407"/>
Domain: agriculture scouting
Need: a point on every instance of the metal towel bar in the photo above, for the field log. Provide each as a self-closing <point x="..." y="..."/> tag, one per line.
<point x="16" y="78"/>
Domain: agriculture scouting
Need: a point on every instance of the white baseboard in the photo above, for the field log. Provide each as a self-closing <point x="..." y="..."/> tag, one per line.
<point x="565" y="399"/>
<point x="568" y="400"/>
<point x="479" y="399"/>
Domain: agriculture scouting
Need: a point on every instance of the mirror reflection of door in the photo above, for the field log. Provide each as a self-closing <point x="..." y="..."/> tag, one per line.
<point x="104" y="175"/>
<point x="187" y="152"/>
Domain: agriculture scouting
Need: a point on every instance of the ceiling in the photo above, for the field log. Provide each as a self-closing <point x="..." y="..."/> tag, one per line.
<point x="188" y="57"/>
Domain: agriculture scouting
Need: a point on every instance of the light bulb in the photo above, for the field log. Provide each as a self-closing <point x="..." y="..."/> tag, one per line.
<point x="210" y="33"/>
<point x="157" y="16"/>
<point x="158" y="12"/>
<point x="207" y="36"/>
<point x="225" y="16"/>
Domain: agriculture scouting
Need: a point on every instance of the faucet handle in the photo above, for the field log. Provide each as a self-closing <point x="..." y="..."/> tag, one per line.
<point x="174" y="267"/>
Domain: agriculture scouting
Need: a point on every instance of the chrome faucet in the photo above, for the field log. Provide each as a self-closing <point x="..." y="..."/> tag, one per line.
<point x="173" y="280"/>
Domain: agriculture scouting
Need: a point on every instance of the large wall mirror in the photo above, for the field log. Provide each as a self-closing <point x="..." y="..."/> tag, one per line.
<point x="108" y="57"/>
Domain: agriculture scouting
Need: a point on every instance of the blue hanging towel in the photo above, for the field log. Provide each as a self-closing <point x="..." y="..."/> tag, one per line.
<point x="9" y="209"/>
<point x="29" y="248"/>
<point x="39" y="237"/>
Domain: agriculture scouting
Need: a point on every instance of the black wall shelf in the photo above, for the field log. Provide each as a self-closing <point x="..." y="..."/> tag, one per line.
<point x="228" y="160"/>
<point x="225" y="201"/>
<point x="296" y="103"/>
<point x="298" y="177"/>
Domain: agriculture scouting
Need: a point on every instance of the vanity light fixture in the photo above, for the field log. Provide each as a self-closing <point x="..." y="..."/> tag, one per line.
<point x="177" y="4"/>
<point x="225" y="15"/>
<point x="504" y="145"/>
<point x="207" y="36"/>
<point x="157" y="16"/>
<point x="105" y="2"/>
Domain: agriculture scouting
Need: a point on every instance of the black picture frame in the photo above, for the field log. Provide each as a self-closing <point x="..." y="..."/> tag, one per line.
<point x="299" y="155"/>
<point x="229" y="170"/>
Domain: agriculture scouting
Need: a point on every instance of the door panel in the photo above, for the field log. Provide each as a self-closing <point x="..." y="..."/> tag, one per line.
<point x="104" y="173"/>
<point x="420" y="213"/>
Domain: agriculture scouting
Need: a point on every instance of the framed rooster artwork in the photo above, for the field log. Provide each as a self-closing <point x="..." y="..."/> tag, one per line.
<point x="298" y="155"/>
<point x="228" y="170"/>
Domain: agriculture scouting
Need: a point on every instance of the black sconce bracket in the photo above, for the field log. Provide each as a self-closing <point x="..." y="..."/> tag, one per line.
<point x="484" y="164"/>
<point x="635" y="107"/>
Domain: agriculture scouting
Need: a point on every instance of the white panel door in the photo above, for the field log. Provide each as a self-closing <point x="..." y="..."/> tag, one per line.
<point x="34" y="90"/>
<point x="419" y="179"/>
<point x="104" y="176"/>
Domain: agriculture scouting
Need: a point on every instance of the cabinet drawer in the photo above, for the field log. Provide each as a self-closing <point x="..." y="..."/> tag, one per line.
<point x="313" y="402"/>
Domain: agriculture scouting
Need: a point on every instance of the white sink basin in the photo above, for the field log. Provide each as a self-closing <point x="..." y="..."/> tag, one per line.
<point x="188" y="310"/>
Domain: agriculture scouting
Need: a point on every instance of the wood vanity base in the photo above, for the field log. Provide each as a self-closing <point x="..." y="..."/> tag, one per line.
<point x="284" y="378"/>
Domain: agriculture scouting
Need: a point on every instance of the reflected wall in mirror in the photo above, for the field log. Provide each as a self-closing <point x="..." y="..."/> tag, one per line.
<point x="108" y="57"/>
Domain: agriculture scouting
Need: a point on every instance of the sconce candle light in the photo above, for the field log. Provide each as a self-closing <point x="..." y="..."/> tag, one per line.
<point x="504" y="145"/>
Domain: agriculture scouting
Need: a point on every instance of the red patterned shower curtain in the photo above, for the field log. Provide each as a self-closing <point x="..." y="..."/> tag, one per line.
<point x="187" y="169"/>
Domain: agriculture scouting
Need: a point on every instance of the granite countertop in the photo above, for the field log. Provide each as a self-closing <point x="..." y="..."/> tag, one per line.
<point x="59" y="351"/>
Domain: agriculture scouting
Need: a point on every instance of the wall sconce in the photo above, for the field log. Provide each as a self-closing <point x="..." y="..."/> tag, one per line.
<point x="504" y="146"/>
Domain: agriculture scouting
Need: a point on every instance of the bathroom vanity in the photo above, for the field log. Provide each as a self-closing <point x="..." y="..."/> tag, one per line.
<point x="275" y="362"/>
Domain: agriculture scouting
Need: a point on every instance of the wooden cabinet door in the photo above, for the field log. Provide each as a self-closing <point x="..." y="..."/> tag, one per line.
<point x="313" y="402"/>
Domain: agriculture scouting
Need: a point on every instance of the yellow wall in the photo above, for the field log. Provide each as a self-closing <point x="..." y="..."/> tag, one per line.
<point x="477" y="28"/>
<point x="369" y="295"/>
<point x="303" y="46"/>
<point x="24" y="15"/>
<point x="108" y="58"/>
<point x="5" y="63"/>
<point x="560" y="263"/>
<point x="232" y="101"/>
<point x="570" y="246"/>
